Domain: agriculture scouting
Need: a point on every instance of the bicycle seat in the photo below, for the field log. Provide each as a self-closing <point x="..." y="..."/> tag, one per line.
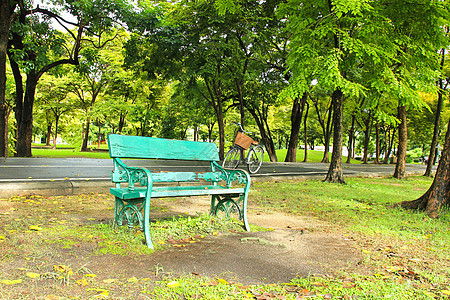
<point x="255" y="143"/>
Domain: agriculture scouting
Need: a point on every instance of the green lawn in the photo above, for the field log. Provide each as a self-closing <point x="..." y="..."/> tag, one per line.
<point x="68" y="151"/>
<point x="73" y="151"/>
<point x="404" y="254"/>
<point x="313" y="156"/>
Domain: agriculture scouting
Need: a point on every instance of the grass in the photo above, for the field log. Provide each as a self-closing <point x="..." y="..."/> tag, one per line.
<point x="69" y="151"/>
<point x="313" y="156"/>
<point x="404" y="254"/>
<point x="362" y="207"/>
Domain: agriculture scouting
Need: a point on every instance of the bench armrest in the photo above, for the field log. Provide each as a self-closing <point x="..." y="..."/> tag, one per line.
<point x="230" y="175"/>
<point x="132" y="175"/>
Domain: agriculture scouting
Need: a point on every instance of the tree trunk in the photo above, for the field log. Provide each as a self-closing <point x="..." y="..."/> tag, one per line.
<point x="327" y="134"/>
<point x="402" y="144"/>
<point x="367" y="131"/>
<point x="49" y="134"/>
<point x="437" y="121"/>
<point x="121" y="122"/>
<point x="3" y="107"/>
<point x="296" y="120"/>
<point x="259" y="114"/>
<point x="5" y="23"/>
<point x="438" y="195"/>
<point x="268" y="142"/>
<point x="25" y="125"/>
<point x="210" y="131"/>
<point x="221" y="132"/>
<point x="305" y="131"/>
<point x="55" y="136"/>
<point x="389" y="143"/>
<point x="335" y="173"/>
<point x="99" y="135"/>
<point x="377" y="143"/>
<point x="350" y="140"/>
<point x="84" y="146"/>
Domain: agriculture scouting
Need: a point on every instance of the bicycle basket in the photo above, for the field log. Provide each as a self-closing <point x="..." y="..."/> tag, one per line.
<point x="243" y="140"/>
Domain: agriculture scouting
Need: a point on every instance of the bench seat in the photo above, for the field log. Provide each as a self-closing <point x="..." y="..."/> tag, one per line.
<point x="174" y="191"/>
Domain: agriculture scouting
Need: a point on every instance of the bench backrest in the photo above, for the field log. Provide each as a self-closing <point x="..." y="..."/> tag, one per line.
<point x="125" y="146"/>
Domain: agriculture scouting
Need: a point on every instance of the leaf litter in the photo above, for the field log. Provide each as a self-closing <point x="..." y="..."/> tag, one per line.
<point x="51" y="268"/>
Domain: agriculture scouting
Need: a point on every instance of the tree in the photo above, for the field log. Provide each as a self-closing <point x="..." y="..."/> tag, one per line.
<point x="31" y="50"/>
<point x="262" y="96"/>
<point x="53" y="96"/>
<point x="35" y="47"/>
<point x="8" y="14"/>
<point x="331" y="40"/>
<point x="442" y="86"/>
<point x="324" y="111"/>
<point x="399" y="172"/>
<point x="438" y="195"/>
<point x="95" y="71"/>
<point x="419" y="32"/>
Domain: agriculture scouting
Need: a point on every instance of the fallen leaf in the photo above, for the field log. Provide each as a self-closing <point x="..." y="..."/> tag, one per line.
<point x="82" y="282"/>
<point x="33" y="275"/>
<point x="99" y="291"/>
<point x="173" y="284"/>
<point x="111" y="280"/>
<point x="35" y="228"/>
<point x="63" y="269"/>
<point x="7" y="281"/>
<point x="132" y="279"/>
<point x="446" y="292"/>
<point x="222" y="281"/>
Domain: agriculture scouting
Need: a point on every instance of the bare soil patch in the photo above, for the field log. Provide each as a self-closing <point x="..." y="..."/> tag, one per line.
<point x="296" y="246"/>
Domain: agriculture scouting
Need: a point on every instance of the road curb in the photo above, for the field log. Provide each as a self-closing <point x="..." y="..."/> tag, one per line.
<point x="54" y="188"/>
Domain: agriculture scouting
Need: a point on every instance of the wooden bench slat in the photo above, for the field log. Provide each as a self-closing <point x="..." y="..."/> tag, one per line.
<point x="123" y="146"/>
<point x="175" y="191"/>
<point x="185" y="176"/>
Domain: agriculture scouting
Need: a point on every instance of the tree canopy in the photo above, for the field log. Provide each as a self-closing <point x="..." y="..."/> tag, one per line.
<point x="370" y="75"/>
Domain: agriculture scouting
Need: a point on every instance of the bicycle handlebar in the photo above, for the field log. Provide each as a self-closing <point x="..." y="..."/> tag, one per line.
<point x="240" y="126"/>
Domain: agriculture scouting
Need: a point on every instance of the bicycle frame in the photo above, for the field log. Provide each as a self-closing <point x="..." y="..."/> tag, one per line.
<point x="255" y="153"/>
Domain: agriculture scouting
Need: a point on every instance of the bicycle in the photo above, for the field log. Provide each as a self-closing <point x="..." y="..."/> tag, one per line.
<point x="236" y="154"/>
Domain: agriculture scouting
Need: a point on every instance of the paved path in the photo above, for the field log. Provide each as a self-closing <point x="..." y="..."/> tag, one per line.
<point x="69" y="175"/>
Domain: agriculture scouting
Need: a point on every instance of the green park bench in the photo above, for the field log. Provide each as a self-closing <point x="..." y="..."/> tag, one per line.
<point x="136" y="186"/>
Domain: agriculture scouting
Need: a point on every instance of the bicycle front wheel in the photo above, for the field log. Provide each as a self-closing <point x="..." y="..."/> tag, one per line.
<point x="232" y="158"/>
<point x="255" y="159"/>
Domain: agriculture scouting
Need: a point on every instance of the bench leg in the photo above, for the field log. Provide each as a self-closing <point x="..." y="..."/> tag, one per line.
<point x="148" y="238"/>
<point x="117" y="208"/>
<point x="131" y="210"/>
<point x="244" y="211"/>
<point x="229" y="206"/>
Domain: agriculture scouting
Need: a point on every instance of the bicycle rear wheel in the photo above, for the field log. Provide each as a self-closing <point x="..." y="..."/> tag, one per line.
<point x="232" y="158"/>
<point x="255" y="159"/>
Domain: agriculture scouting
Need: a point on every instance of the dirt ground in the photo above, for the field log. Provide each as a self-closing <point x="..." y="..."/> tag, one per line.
<point x="297" y="246"/>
